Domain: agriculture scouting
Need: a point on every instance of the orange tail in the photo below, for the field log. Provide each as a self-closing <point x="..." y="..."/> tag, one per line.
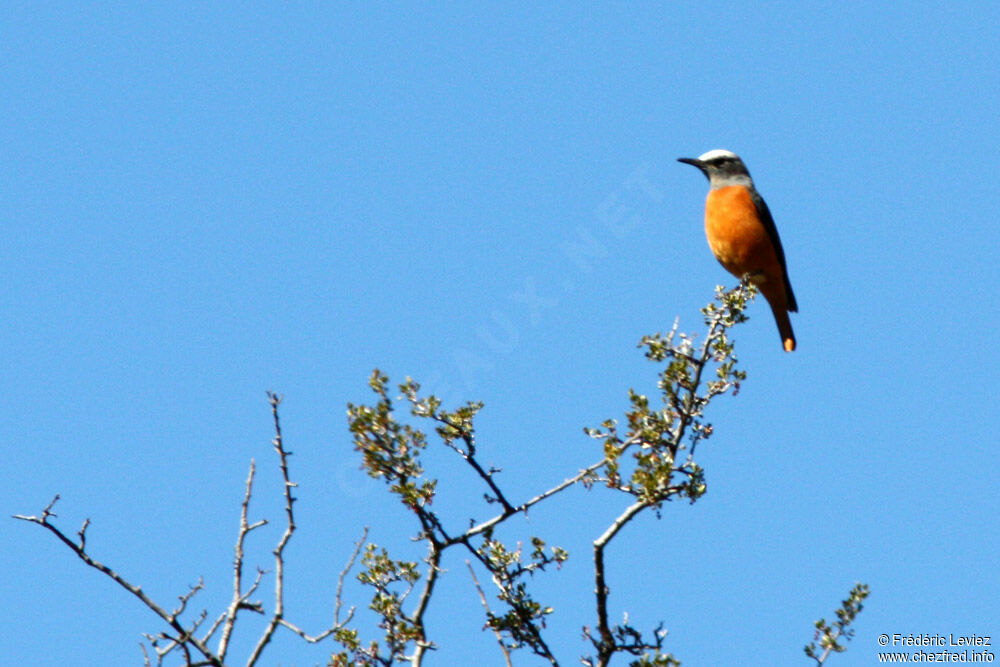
<point x="784" y="325"/>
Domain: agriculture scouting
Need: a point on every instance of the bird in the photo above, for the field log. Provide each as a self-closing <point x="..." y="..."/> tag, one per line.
<point x="742" y="235"/>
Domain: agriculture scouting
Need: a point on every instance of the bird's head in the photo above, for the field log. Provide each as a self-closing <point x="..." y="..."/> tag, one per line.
<point x="721" y="167"/>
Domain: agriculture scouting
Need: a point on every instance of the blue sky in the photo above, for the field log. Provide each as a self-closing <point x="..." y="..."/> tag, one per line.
<point x="203" y="202"/>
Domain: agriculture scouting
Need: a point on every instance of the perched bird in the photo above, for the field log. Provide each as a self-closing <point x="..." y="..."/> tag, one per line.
<point x="742" y="235"/>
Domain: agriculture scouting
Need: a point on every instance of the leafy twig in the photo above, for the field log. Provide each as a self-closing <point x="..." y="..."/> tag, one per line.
<point x="829" y="636"/>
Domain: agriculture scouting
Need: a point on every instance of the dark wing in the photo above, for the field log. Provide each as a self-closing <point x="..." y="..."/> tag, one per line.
<point x="765" y="217"/>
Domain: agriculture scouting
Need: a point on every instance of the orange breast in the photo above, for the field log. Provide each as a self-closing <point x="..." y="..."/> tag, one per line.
<point x="737" y="237"/>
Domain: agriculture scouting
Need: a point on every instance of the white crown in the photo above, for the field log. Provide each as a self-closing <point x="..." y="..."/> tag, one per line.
<point x="717" y="153"/>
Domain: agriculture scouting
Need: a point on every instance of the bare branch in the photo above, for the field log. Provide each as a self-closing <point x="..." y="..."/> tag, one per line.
<point x="239" y="598"/>
<point x="337" y="623"/>
<point x="184" y="599"/>
<point x="340" y="582"/>
<point x="183" y="635"/>
<point x="523" y="507"/>
<point x="606" y="646"/>
<point x="82" y="533"/>
<point x="309" y="638"/>
<point x="279" y="551"/>
<point x="433" y="569"/>
<point x="486" y="606"/>
<point x="469" y="456"/>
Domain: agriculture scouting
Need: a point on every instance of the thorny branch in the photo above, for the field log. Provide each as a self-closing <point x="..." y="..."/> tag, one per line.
<point x="279" y="551"/>
<point x="182" y="636"/>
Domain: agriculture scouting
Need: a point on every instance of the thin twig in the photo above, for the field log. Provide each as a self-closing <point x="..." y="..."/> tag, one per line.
<point x="238" y="596"/>
<point x="279" y="551"/>
<point x="486" y="606"/>
<point x="523" y="507"/>
<point x="337" y="623"/>
<point x="469" y="456"/>
<point x="340" y="582"/>
<point x="487" y="477"/>
<point x="689" y="404"/>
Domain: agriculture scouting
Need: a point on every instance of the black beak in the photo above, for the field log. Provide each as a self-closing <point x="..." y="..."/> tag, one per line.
<point x="692" y="161"/>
